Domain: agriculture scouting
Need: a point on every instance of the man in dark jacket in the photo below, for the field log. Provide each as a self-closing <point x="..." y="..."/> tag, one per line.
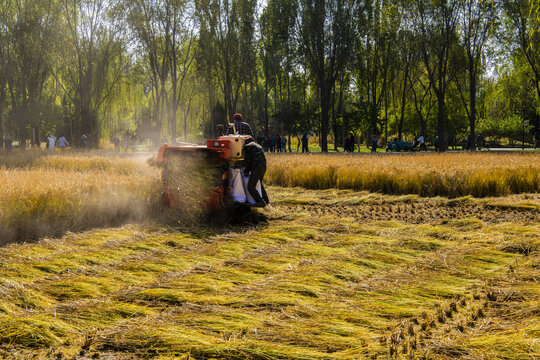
<point x="255" y="167"/>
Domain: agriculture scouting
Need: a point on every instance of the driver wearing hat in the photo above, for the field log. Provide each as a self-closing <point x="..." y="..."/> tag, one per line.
<point x="239" y="127"/>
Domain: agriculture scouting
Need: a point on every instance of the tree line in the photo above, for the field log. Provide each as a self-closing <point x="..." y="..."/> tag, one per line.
<point x="175" y="69"/>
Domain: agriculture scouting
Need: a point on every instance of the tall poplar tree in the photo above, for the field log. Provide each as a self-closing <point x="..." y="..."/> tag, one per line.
<point x="277" y="22"/>
<point x="477" y="20"/>
<point x="90" y="61"/>
<point x="228" y="30"/>
<point x="326" y="38"/>
<point x="524" y="16"/>
<point x="436" y="24"/>
<point x="29" y="26"/>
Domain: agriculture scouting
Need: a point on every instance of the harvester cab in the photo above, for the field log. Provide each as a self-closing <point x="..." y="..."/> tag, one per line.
<point x="208" y="176"/>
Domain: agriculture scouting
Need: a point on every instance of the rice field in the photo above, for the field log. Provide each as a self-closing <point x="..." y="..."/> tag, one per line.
<point x="330" y="272"/>
<point x="309" y="283"/>
<point x="42" y="195"/>
<point x="450" y="175"/>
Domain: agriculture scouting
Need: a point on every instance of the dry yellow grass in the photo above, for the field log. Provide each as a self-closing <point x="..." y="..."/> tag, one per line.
<point x="333" y="274"/>
<point x="58" y="194"/>
<point x="451" y="175"/>
<point x="317" y="281"/>
<point x="49" y="195"/>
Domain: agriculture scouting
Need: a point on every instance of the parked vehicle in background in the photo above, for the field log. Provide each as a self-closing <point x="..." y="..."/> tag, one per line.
<point x="398" y="145"/>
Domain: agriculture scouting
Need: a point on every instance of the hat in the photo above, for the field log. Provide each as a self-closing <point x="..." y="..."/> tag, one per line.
<point x="237" y="117"/>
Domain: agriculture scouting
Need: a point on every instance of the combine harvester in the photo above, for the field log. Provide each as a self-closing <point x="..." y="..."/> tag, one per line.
<point x="208" y="179"/>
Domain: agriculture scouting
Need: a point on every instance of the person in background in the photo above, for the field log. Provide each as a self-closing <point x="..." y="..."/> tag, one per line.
<point x="374" y="142"/>
<point x="422" y="143"/>
<point x="305" y="148"/>
<point x="284" y="143"/>
<point x="116" y="141"/>
<point x="84" y="141"/>
<point x="351" y="143"/>
<point x="346" y="143"/>
<point x="416" y="142"/>
<point x="51" y="140"/>
<point x="8" y="143"/>
<point x="255" y="168"/>
<point x="278" y="143"/>
<point x="62" y="143"/>
<point x="536" y="140"/>
<point x="239" y="127"/>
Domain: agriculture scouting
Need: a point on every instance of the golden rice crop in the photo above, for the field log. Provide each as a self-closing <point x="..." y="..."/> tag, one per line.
<point x="49" y="195"/>
<point x="111" y="165"/>
<point x="448" y="174"/>
<point x="66" y="194"/>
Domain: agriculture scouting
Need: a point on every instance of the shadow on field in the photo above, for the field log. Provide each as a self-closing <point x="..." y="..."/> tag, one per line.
<point x="32" y="228"/>
<point x="224" y="218"/>
<point x="215" y="224"/>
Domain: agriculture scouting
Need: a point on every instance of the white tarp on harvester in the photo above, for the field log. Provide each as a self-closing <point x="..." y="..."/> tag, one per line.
<point x="250" y="199"/>
<point x="238" y="186"/>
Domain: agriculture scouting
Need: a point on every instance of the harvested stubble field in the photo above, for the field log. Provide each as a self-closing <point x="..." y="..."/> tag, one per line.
<point x="330" y="274"/>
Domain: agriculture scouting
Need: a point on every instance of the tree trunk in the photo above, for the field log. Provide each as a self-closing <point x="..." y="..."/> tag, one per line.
<point x="266" y="127"/>
<point x="1" y="125"/>
<point x="186" y="115"/>
<point x="211" y="108"/>
<point x="325" y="107"/>
<point x="403" y="99"/>
<point x="441" y="123"/>
<point x="290" y="143"/>
<point x="472" y="116"/>
<point x="22" y="124"/>
<point x="334" y="120"/>
<point x="340" y="109"/>
<point x="173" y="124"/>
<point x="385" y="112"/>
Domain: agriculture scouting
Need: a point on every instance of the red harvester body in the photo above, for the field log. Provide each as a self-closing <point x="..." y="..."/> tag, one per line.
<point x="204" y="167"/>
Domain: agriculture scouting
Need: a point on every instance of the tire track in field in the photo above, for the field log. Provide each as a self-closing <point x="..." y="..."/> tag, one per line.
<point x="416" y="213"/>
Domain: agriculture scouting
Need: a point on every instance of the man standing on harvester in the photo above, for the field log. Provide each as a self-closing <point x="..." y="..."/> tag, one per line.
<point x="239" y="127"/>
<point x="255" y="167"/>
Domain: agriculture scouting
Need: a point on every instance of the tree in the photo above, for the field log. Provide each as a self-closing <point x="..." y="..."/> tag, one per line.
<point x="477" y="21"/>
<point x="29" y="26"/>
<point x="326" y="39"/>
<point x="227" y="32"/>
<point x="4" y="54"/>
<point x="90" y="61"/>
<point x="277" y="22"/>
<point x="436" y="26"/>
<point x="524" y="24"/>
<point x="180" y="57"/>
